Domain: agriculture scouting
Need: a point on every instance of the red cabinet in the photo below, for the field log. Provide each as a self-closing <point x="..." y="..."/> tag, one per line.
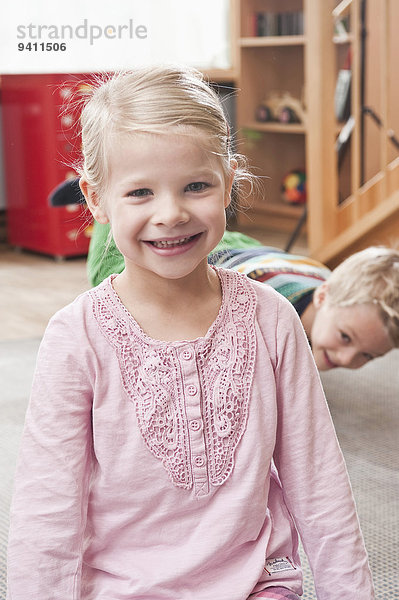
<point x="41" y="142"/>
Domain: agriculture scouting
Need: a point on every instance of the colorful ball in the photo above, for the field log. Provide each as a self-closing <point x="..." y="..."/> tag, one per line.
<point x="293" y="187"/>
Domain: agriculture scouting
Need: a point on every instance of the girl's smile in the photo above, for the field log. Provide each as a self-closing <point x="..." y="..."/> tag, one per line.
<point x="171" y="247"/>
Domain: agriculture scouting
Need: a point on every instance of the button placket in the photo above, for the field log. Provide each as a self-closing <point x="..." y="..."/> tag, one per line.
<point x="191" y="392"/>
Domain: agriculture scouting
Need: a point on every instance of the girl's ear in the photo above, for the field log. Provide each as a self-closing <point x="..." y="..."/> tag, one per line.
<point x="93" y="202"/>
<point x="320" y="295"/>
<point x="229" y="182"/>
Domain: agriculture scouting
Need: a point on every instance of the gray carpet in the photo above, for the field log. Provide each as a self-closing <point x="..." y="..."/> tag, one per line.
<point x="365" y="408"/>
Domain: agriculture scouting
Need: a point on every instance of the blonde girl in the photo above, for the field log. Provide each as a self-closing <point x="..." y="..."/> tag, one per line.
<point x="177" y="440"/>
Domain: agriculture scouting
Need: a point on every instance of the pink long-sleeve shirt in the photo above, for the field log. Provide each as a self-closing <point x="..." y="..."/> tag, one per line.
<point x="184" y="470"/>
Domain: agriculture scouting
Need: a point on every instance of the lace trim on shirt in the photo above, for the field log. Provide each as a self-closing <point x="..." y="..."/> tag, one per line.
<point x="151" y="376"/>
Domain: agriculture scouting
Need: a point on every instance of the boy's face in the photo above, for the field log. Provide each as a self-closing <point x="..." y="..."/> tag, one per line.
<point x="346" y="336"/>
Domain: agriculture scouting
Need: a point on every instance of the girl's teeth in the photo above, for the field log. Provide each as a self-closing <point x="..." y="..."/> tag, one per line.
<point x="167" y="244"/>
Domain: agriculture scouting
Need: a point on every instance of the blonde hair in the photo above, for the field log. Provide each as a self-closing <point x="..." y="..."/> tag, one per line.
<point x="153" y="100"/>
<point x="369" y="277"/>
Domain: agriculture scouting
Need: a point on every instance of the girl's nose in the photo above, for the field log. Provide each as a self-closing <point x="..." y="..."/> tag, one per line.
<point x="170" y="211"/>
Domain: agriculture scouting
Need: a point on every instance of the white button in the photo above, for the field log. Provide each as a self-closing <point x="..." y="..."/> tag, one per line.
<point x="191" y="390"/>
<point x="199" y="461"/>
<point x="195" y="425"/>
<point x="187" y="354"/>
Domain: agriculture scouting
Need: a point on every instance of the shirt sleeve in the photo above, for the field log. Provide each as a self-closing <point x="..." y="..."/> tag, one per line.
<point x="313" y="473"/>
<point x="49" y="505"/>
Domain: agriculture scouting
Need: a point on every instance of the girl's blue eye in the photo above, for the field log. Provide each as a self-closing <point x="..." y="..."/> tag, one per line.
<point x="197" y="186"/>
<point x="345" y="337"/>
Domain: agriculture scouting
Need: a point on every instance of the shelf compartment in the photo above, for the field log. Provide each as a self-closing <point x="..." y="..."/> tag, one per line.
<point x="271" y="215"/>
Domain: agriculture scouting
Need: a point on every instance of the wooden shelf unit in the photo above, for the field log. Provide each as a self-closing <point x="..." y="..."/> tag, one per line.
<point x="266" y="65"/>
<point x="347" y="209"/>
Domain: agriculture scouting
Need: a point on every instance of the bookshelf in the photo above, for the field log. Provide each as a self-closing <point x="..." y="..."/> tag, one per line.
<point x="271" y="62"/>
<point x="352" y="197"/>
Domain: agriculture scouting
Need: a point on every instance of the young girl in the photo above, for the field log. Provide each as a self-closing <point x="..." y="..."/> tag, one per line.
<point x="177" y="438"/>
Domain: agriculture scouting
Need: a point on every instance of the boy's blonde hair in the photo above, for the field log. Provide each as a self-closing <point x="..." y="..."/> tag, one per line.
<point x="369" y="277"/>
<point x="157" y="99"/>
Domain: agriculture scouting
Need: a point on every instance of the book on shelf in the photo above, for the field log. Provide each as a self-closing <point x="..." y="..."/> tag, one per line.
<point x="267" y="24"/>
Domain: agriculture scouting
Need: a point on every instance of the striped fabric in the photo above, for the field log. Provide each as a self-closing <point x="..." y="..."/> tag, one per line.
<point x="290" y="275"/>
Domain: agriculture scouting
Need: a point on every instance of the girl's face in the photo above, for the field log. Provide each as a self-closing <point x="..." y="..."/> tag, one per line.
<point x="165" y="200"/>
<point x="346" y="336"/>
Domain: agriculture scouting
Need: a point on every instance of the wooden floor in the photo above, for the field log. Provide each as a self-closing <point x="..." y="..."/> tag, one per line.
<point x="34" y="287"/>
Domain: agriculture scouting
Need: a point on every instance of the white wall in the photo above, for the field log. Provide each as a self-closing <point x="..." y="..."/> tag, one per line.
<point x="194" y="32"/>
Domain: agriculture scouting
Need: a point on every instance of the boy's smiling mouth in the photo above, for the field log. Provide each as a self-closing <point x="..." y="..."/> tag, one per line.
<point x="329" y="362"/>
